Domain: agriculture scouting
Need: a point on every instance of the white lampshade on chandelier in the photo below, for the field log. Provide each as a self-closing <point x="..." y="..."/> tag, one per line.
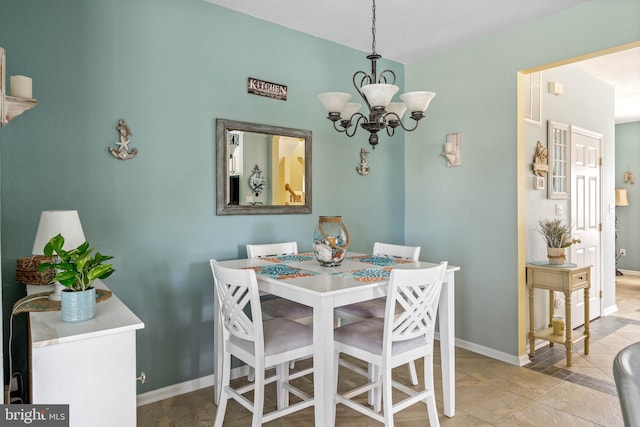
<point x="52" y="223"/>
<point x="377" y="91"/>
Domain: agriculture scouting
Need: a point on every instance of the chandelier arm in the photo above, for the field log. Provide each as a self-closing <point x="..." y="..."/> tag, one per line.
<point x="335" y="126"/>
<point x="402" y="124"/>
<point x="383" y="78"/>
<point x="354" y="125"/>
<point x="366" y="78"/>
<point x="390" y="131"/>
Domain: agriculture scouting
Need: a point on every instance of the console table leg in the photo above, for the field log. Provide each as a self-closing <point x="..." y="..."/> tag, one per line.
<point x="532" y="337"/>
<point x="567" y="329"/>
<point x="587" y="332"/>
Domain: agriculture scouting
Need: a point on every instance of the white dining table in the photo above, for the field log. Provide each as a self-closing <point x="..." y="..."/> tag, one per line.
<point x="301" y="278"/>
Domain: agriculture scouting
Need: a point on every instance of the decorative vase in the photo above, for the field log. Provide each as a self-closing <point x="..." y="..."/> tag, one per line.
<point x="78" y="306"/>
<point x="330" y="241"/>
<point x="556" y="256"/>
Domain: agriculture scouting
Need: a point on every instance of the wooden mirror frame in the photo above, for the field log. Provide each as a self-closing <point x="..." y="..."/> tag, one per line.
<point x="222" y="188"/>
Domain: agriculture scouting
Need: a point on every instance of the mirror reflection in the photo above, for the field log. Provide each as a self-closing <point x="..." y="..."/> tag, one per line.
<point x="262" y="169"/>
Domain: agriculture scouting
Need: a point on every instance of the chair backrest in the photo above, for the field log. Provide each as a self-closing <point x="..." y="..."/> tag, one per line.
<point x="237" y="289"/>
<point x="272" y="249"/>
<point x="626" y="373"/>
<point x="417" y="291"/>
<point x="396" y="251"/>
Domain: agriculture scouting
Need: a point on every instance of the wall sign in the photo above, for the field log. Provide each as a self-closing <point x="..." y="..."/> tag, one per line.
<point x="268" y="89"/>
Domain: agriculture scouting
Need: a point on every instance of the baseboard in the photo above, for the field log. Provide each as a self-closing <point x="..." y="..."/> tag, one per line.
<point x="629" y="272"/>
<point x="486" y="351"/>
<point x="607" y="311"/>
<point x="185" y="387"/>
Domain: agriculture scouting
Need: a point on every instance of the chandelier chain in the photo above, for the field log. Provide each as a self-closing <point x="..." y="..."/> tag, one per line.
<point x="373" y="28"/>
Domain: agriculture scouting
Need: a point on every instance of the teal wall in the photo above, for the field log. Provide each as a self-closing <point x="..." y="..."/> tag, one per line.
<point x="170" y="68"/>
<point x="628" y="159"/>
<point x="468" y="214"/>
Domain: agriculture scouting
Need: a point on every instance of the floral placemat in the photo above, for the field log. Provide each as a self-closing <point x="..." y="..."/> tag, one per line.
<point x="367" y="275"/>
<point x="282" y="271"/>
<point x="290" y="258"/>
<point x="381" y="261"/>
<point x="40" y="302"/>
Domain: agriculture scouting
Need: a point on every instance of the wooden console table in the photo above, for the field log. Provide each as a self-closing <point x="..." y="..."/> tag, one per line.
<point x="561" y="278"/>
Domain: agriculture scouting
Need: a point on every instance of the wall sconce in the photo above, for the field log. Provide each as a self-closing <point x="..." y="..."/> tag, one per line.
<point x="452" y="149"/>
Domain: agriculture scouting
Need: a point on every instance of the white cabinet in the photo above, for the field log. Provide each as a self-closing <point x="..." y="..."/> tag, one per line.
<point x="90" y="365"/>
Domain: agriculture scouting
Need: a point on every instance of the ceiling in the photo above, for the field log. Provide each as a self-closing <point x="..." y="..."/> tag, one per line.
<point x="408" y="30"/>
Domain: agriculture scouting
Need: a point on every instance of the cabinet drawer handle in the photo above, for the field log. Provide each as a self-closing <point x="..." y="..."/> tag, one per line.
<point x="580" y="277"/>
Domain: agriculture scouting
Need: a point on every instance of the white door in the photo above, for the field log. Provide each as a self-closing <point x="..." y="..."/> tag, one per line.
<point x="585" y="217"/>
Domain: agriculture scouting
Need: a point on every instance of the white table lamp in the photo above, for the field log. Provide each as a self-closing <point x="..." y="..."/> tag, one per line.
<point x="53" y="223"/>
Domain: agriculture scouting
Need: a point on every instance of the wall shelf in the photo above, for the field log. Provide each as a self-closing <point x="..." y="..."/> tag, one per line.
<point x="11" y="106"/>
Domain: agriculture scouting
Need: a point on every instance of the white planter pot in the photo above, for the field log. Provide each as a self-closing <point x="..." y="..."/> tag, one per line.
<point x="78" y="306"/>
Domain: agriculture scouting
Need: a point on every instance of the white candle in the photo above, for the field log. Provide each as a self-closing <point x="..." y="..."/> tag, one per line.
<point x="448" y="147"/>
<point x="21" y="86"/>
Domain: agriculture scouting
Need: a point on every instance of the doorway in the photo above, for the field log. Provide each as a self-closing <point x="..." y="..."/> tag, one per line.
<point x="529" y="246"/>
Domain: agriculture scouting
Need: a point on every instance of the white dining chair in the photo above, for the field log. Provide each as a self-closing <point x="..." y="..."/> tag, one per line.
<point x="376" y="307"/>
<point x="260" y="344"/>
<point x="281" y="307"/>
<point x="275" y="306"/>
<point x="394" y="340"/>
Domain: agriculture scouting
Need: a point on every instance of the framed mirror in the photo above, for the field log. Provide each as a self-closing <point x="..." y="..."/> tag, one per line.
<point x="262" y="169"/>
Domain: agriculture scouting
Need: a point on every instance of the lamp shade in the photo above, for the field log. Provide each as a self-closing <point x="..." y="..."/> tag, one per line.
<point x="349" y="110"/>
<point x="397" y="108"/>
<point x="334" y="102"/>
<point x="53" y="223"/>
<point x="621" y="197"/>
<point x="379" y="94"/>
<point x="417" y="101"/>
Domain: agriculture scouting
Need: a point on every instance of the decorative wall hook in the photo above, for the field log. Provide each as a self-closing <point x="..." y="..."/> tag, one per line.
<point x="363" y="168"/>
<point x="123" y="152"/>
<point x="628" y="177"/>
<point x="540" y="165"/>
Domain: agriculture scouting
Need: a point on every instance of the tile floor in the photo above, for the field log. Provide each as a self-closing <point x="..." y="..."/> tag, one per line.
<point x="488" y="392"/>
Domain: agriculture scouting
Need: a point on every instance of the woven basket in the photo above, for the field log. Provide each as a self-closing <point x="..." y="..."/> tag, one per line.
<point x="27" y="271"/>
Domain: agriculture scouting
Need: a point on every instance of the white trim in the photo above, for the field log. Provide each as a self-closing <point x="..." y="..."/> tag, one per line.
<point x="486" y="351"/>
<point x="629" y="272"/>
<point x="185" y="387"/>
<point x="607" y="311"/>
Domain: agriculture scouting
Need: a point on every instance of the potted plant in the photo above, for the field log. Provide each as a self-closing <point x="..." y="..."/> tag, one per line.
<point x="76" y="270"/>
<point x="558" y="237"/>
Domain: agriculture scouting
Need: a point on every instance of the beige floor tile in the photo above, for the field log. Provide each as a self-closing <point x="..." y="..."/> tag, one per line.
<point x="537" y="414"/>
<point x="592" y="405"/>
<point x="522" y="381"/>
<point x="486" y="401"/>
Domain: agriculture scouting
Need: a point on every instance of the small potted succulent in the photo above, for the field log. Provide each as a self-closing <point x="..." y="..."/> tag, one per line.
<point x="558" y="237"/>
<point x="76" y="270"/>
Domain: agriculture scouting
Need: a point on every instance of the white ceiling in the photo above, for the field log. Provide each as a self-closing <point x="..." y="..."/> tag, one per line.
<point x="408" y="30"/>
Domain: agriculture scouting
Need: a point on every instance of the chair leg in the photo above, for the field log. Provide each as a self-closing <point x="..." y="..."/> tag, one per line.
<point x="387" y="390"/>
<point x="432" y="410"/>
<point x="292" y="364"/>
<point x="282" y="372"/>
<point x="413" y="373"/>
<point x="336" y="364"/>
<point x="251" y="376"/>
<point x="224" y="393"/>
<point x="258" y="396"/>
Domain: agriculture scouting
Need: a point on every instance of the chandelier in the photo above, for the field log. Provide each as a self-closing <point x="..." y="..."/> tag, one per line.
<point x="377" y="92"/>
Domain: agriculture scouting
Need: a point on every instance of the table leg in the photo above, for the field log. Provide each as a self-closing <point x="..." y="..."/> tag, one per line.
<point x="446" y="316"/>
<point x="323" y="363"/>
<point x="532" y="329"/>
<point x="567" y="328"/>
<point x="586" y="320"/>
